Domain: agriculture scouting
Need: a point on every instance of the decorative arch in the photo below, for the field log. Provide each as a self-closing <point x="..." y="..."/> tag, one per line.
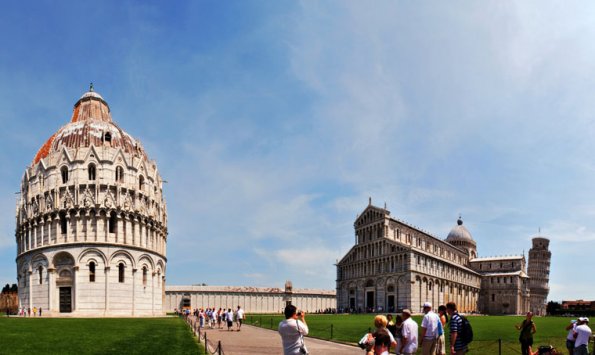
<point x="39" y="260"/>
<point x="149" y="261"/>
<point x="161" y="265"/>
<point x="62" y="258"/>
<point x="122" y="256"/>
<point x="92" y="254"/>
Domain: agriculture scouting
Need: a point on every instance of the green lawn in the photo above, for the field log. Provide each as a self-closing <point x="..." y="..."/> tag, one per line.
<point x="96" y="336"/>
<point x="487" y="330"/>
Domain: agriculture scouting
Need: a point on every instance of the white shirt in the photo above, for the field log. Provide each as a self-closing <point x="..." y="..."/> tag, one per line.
<point x="584" y="332"/>
<point x="230" y="316"/>
<point x="409" y="330"/>
<point x="291" y="331"/>
<point x="570" y="335"/>
<point x="240" y="314"/>
<point x="430" y="323"/>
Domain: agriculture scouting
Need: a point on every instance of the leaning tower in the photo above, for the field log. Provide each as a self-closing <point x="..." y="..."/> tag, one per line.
<point x="539" y="274"/>
<point x="91" y="221"/>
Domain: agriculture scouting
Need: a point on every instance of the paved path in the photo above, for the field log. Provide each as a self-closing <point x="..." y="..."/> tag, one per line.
<point x="255" y="340"/>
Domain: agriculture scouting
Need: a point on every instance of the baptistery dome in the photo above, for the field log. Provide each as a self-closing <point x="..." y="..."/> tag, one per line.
<point x="91" y="221"/>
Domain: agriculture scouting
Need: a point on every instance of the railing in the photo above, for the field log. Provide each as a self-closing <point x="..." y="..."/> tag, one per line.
<point x="201" y="336"/>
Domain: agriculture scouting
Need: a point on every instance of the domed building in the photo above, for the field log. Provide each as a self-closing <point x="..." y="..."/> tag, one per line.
<point x="91" y="222"/>
<point x="395" y="265"/>
<point x="460" y="236"/>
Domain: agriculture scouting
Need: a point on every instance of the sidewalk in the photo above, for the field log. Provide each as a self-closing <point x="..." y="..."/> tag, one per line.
<point x="255" y="340"/>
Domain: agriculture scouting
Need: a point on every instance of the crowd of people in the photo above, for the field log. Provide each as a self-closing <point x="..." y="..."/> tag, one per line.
<point x="217" y="318"/>
<point x="26" y="311"/>
<point x="404" y="334"/>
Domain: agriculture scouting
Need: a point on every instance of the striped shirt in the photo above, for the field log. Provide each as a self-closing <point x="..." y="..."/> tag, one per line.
<point x="456" y="325"/>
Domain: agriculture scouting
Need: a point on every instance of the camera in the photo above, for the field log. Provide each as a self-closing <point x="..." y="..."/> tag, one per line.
<point x="299" y="313"/>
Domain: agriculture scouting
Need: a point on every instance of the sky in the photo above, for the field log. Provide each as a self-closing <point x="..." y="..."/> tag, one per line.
<point x="273" y="122"/>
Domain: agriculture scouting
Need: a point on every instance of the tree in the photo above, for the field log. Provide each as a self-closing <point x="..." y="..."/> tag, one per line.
<point x="6" y="288"/>
<point x="14" y="288"/>
<point x="552" y="307"/>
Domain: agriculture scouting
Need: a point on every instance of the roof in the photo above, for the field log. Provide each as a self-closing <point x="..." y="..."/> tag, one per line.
<point x="513" y="273"/>
<point x="91" y="124"/>
<point x="498" y="258"/>
<point x="459" y="232"/>
<point x="246" y="289"/>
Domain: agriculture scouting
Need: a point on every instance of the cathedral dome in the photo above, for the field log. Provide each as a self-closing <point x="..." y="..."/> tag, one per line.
<point x="459" y="232"/>
<point x="91" y="124"/>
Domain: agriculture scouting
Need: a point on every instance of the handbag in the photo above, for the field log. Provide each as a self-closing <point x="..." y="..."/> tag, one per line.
<point x="303" y="348"/>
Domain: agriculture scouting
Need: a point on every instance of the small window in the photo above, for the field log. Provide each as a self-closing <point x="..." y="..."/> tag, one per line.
<point x="107" y="137"/>
<point x="64" y="172"/>
<point x="119" y="174"/>
<point x="112" y="223"/>
<point x="141" y="183"/>
<point x="91" y="170"/>
<point x="121" y="272"/>
<point x="92" y="272"/>
<point x="493" y="297"/>
<point x="40" y="270"/>
<point x="144" y="276"/>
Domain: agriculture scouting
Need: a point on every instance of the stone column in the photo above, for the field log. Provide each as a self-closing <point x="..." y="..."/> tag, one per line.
<point x="51" y="289"/>
<point x="133" y="291"/>
<point x="29" y="284"/>
<point x="42" y="231"/>
<point x="35" y="234"/>
<point x="107" y="269"/>
<point x="153" y="293"/>
<point x="105" y="226"/>
<point x="75" y="288"/>
<point x="77" y="226"/>
<point x="68" y="226"/>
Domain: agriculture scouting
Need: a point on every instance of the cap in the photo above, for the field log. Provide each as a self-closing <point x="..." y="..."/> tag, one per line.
<point x="406" y="311"/>
<point x="585" y="319"/>
<point x="428" y="305"/>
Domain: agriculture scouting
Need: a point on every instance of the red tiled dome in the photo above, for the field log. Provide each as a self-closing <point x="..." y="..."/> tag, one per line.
<point x="91" y="124"/>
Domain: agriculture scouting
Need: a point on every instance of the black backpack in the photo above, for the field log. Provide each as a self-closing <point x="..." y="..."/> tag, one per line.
<point x="466" y="330"/>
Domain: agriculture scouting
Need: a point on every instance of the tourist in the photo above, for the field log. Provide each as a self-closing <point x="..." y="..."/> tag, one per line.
<point x="293" y="330"/>
<point x="34" y="311"/>
<point x="392" y="328"/>
<point x="40" y="311"/>
<point x="220" y="315"/>
<point x="527" y="329"/>
<point x="201" y="318"/>
<point x="583" y="334"/>
<point x="430" y="330"/>
<point x="457" y="345"/>
<point x="398" y="332"/>
<point x="383" y="339"/>
<point x="229" y="318"/>
<point x="239" y="318"/>
<point x="570" y="337"/>
<point x="409" y="331"/>
<point x="441" y="343"/>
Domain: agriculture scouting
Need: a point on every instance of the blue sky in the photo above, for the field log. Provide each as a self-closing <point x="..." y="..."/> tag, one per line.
<point x="274" y="121"/>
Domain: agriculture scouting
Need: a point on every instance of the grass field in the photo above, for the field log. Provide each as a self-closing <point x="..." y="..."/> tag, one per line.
<point x="96" y="336"/>
<point x="487" y="330"/>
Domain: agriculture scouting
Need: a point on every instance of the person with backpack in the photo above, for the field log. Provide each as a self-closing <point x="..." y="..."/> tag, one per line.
<point x="459" y="330"/>
<point x="527" y="329"/>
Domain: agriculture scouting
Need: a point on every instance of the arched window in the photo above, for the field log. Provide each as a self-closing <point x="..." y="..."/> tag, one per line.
<point x="91" y="170"/>
<point x="141" y="182"/>
<point x="112" y="223"/>
<point x="64" y="172"/>
<point x="107" y="137"/>
<point x="91" y="272"/>
<point x="63" y="223"/>
<point x="121" y="272"/>
<point x="119" y="174"/>
<point x="144" y="276"/>
<point x="40" y="270"/>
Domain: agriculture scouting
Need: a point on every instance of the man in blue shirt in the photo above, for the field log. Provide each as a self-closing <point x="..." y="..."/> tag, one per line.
<point x="457" y="346"/>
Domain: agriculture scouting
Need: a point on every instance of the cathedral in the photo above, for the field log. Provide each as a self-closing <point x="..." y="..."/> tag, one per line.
<point x="91" y="221"/>
<point x="394" y="265"/>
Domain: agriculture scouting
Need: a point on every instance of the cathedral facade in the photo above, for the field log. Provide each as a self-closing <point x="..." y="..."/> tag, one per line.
<point x="91" y="221"/>
<point x="394" y="265"/>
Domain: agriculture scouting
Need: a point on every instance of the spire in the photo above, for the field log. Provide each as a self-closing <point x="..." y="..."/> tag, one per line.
<point x="370" y="201"/>
<point x="91" y="87"/>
